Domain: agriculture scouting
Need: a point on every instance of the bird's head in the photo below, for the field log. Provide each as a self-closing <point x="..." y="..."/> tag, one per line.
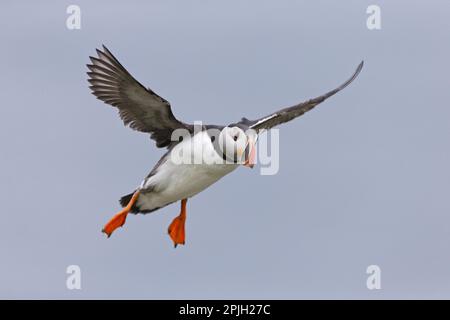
<point x="238" y="146"/>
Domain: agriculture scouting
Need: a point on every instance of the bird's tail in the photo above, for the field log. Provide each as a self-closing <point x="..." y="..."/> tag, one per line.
<point x="126" y="199"/>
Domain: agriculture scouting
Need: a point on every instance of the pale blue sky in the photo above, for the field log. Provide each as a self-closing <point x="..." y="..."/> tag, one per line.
<point x="364" y="178"/>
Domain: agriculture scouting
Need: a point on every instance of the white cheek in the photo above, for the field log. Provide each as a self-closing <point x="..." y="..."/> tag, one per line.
<point x="227" y="145"/>
<point x="231" y="147"/>
<point x="240" y="144"/>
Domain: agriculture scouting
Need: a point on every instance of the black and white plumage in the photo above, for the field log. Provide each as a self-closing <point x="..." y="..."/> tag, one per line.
<point x="143" y="110"/>
<point x="290" y="113"/>
<point x="140" y="108"/>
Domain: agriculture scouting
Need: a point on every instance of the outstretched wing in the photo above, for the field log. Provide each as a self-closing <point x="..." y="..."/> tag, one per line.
<point x="287" y="114"/>
<point x="140" y="108"/>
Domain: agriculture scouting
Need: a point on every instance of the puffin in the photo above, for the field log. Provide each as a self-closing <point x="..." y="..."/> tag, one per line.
<point x="196" y="155"/>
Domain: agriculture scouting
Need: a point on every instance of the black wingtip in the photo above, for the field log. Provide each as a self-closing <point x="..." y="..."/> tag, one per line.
<point x="92" y="59"/>
<point x="353" y="77"/>
<point x="360" y="66"/>
<point x="101" y="50"/>
<point x="98" y="51"/>
<point x="358" y="69"/>
<point x="106" y="50"/>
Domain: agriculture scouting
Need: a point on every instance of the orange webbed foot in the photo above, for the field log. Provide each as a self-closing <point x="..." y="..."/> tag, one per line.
<point x="116" y="222"/>
<point x="176" y="228"/>
<point x="119" y="219"/>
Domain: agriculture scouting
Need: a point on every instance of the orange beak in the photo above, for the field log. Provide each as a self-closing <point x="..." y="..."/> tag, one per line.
<point x="250" y="154"/>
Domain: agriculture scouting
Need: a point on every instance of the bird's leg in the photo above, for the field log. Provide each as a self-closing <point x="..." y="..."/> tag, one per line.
<point x="176" y="228"/>
<point x="119" y="219"/>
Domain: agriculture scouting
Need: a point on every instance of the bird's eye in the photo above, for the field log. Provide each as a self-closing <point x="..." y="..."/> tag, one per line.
<point x="213" y="138"/>
<point x="235" y="138"/>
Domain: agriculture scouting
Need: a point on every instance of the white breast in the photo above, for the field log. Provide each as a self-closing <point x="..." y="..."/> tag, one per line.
<point x="173" y="181"/>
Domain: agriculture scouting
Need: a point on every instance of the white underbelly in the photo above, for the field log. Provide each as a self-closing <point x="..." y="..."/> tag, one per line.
<point x="176" y="182"/>
<point x="173" y="182"/>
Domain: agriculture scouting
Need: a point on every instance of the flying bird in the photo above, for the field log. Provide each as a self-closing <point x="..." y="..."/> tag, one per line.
<point x="225" y="147"/>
